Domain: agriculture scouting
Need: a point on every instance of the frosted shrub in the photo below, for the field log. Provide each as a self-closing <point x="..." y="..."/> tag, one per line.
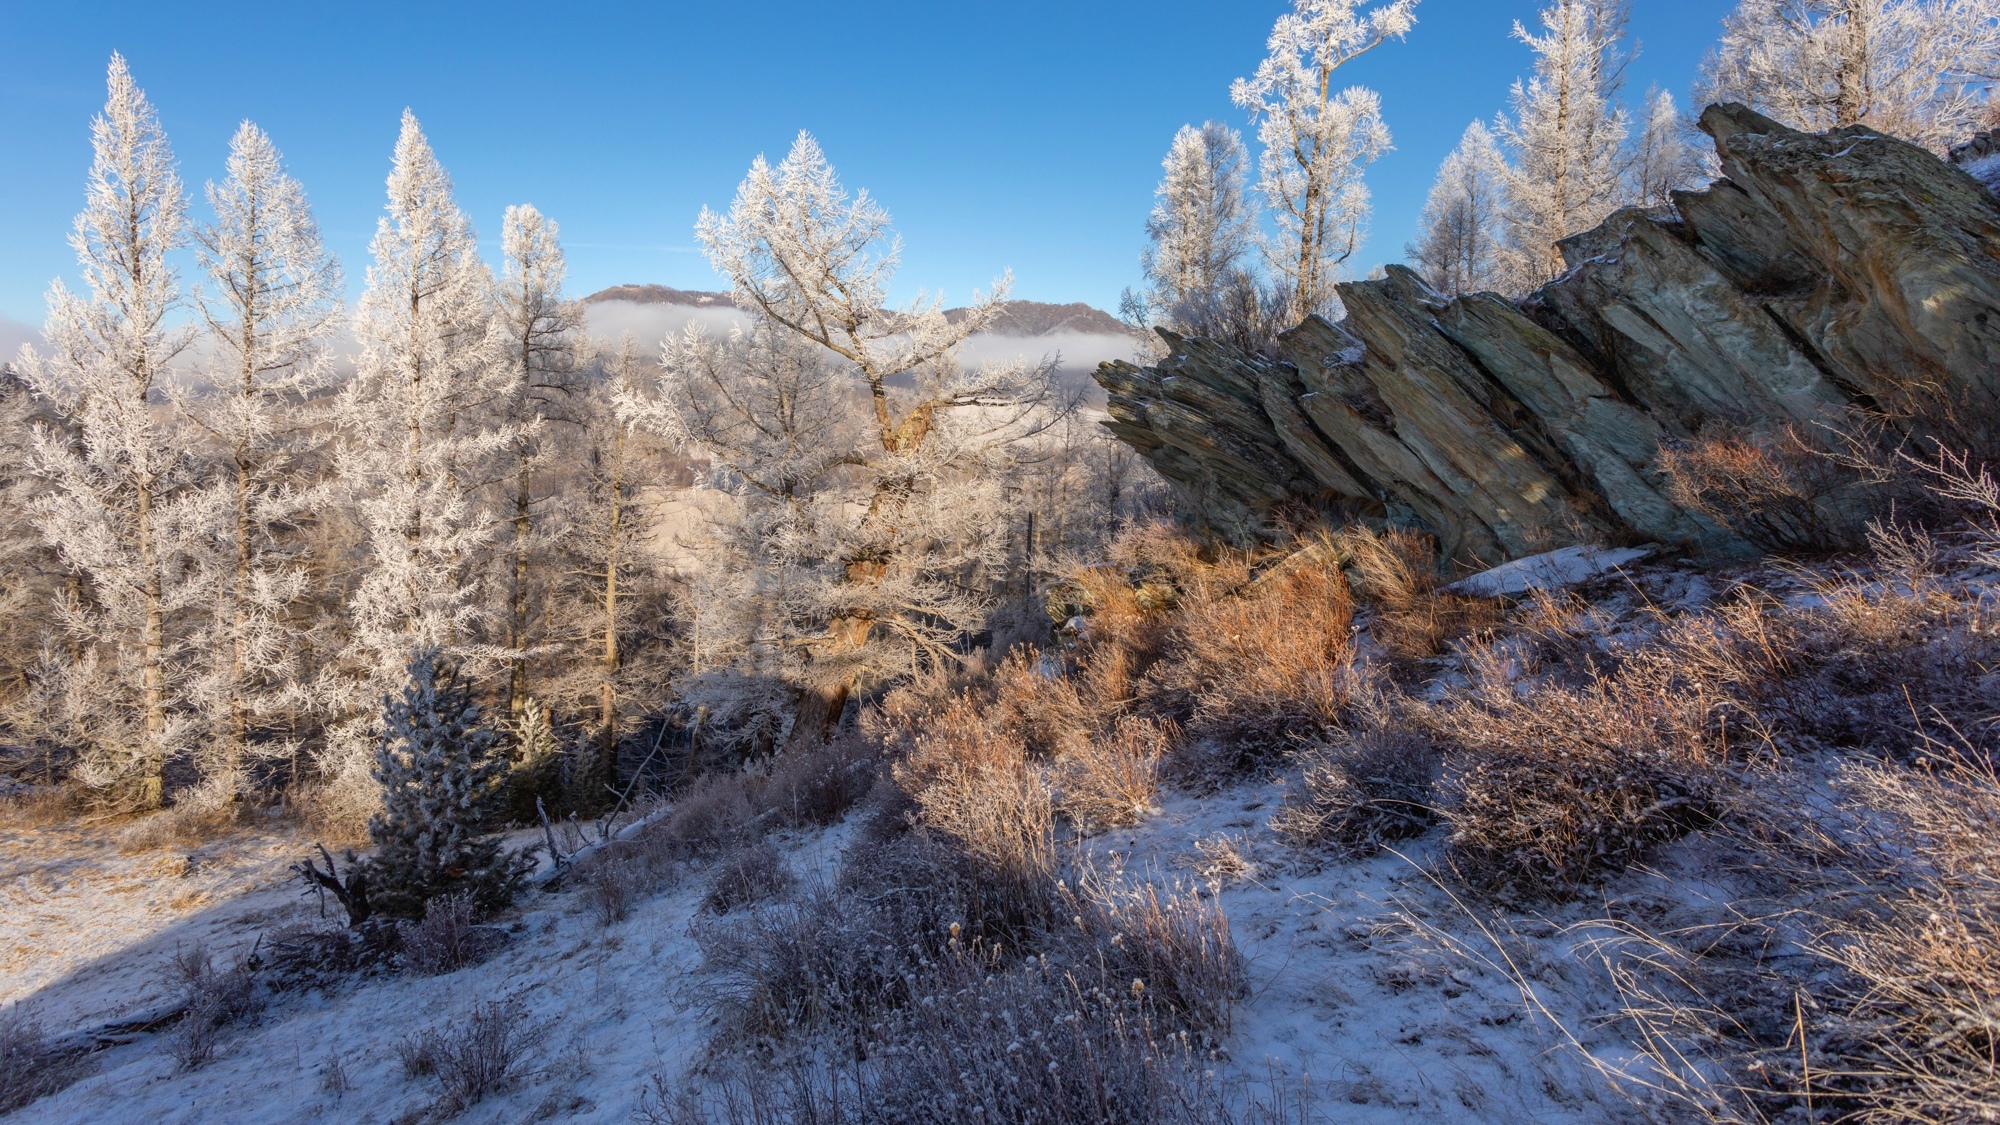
<point x="753" y="874"/>
<point x="215" y="999"/>
<point x="1362" y="791"/>
<point x="445" y="941"/>
<point x="29" y="1067"/>
<point x="469" y="1058"/>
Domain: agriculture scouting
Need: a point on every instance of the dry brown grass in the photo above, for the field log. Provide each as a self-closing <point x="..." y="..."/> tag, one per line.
<point x="1113" y="780"/>
<point x="1259" y="665"/>
<point x="817" y="784"/>
<point x="714" y="815"/>
<point x="1399" y="572"/>
<point x="1549" y="788"/>
<point x="1921" y="952"/>
<point x="979" y="789"/>
<point x="37" y="806"/>
<point x="1777" y="488"/>
<point x="181" y="827"/>
<point x="752" y="875"/>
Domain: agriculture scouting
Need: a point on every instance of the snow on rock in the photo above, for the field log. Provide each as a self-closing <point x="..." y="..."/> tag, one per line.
<point x="1551" y="570"/>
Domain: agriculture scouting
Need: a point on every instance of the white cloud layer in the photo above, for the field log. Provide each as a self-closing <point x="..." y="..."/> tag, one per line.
<point x="1079" y="352"/>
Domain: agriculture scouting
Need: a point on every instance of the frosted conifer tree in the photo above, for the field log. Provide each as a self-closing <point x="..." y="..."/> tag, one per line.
<point x="1201" y="226"/>
<point x="421" y="437"/>
<point x="604" y="536"/>
<point x="1922" y="70"/>
<point x="439" y="770"/>
<point x="1566" y="135"/>
<point x="116" y="509"/>
<point x="1662" y="160"/>
<point x="1317" y="142"/>
<point x="271" y="305"/>
<point x="536" y="335"/>
<point x="1458" y="250"/>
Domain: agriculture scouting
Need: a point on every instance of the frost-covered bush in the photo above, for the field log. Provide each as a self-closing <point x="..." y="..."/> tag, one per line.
<point x="749" y="876"/>
<point x="215" y="998"/>
<point x="1362" y="791"/>
<point x="469" y="1058"/>
<point x="445" y="941"/>
<point x="30" y="1067"/>
<point x="438" y="768"/>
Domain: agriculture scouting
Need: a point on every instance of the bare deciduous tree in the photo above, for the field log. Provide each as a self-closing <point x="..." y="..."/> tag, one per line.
<point x="886" y="542"/>
<point x="1566" y="135"/>
<point x="537" y="336"/>
<point x="1201" y="226"/>
<point x="1662" y="160"/>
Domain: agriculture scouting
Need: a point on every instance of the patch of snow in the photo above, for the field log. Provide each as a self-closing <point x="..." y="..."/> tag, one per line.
<point x="1551" y="570"/>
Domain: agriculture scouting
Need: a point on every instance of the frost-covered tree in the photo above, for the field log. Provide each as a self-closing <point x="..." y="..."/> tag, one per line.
<point x="1317" y="142"/>
<point x="421" y="435"/>
<point x="440" y="771"/>
<point x="32" y="577"/>
<point x="1458" y="250"/>
<point x="889" y="538"/>
<point x="611" y="610"/>
<point x="1201" y="227"/>
<point x="1566" y="135"/>
<point x="271" y="305"/>
<point x="1918" y="69"/>
<point x="537" y="334"/>
<point x="1662" y="161"/>
<point x="118" y="473"/>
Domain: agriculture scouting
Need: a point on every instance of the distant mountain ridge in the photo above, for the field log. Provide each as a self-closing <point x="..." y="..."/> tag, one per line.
<point x="1017" y="318"/>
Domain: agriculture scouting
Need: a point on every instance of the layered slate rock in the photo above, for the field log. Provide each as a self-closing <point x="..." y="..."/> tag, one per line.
<point x="1822" y="273"/>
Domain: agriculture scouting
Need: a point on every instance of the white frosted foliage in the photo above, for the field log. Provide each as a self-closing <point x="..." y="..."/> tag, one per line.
<point x="1922" y="70"/>
<point x="117" y="510"/>
<point x="1317" y="141"/>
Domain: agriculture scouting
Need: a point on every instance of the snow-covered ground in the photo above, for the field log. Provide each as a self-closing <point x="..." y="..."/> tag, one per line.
<point x="1370" y="984"/>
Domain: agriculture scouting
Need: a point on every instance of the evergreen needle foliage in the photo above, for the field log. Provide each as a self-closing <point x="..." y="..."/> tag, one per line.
<point x="439" y="770"/>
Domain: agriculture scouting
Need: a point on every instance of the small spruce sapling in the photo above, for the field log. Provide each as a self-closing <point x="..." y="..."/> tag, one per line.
<point x="439" y="769"/>
<point x="536" y="769"/>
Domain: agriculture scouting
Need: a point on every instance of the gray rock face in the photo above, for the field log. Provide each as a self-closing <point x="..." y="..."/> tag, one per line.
<point x="1822" y="273"/>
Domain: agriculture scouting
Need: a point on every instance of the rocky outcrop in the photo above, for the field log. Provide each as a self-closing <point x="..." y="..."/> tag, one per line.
<point x="1822" y="273"/>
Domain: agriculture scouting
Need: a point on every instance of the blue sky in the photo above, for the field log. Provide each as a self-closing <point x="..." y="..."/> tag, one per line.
<point x="1023" y="135"/>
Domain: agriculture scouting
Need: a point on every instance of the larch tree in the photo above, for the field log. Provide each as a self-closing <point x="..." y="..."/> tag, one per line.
<point x="118" y="473"/>
<point x="1318" y="142"/>
<point x="1922" y="70"/>
<point x="1201" y="227"/>
<point x="1566" y="135"/>
<point x="537" y="335"/>
<point x="892" y="535"/>
<point x="422" y="437"/>
<point x="271" y="305"/>
<point x="1458" y="249"/>
<point x="608" y="604"/>
<point x="1662" y="161"/>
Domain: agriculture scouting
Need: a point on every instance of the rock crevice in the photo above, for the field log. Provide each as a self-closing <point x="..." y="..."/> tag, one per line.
<point x="1822" y="274"/>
